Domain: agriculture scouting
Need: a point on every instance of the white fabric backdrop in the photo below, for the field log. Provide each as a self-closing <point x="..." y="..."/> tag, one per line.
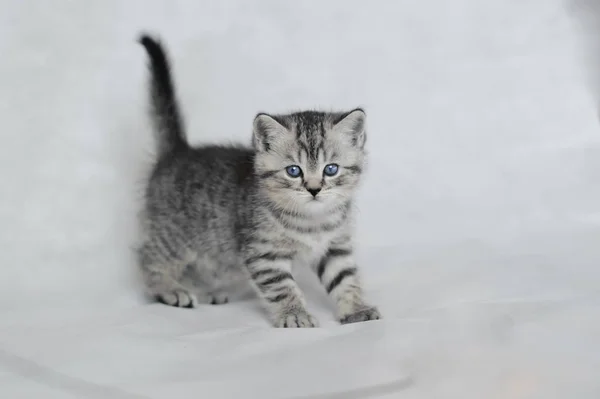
<point x="479" y="221"/>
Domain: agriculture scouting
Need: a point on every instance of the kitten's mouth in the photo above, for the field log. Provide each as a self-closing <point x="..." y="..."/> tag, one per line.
<point x="315" y="201"/>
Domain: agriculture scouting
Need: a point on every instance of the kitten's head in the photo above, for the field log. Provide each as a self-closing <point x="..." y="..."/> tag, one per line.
<point x="310" y="161"/>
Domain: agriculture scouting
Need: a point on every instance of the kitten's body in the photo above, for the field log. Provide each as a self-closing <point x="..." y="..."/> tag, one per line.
<point x="219" y="216"/>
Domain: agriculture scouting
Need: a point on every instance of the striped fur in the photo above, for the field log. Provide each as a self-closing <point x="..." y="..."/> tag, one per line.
<point x="216" y="217"/>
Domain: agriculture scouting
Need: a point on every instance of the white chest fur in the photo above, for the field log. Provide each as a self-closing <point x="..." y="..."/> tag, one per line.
<point x="311" y="248"/>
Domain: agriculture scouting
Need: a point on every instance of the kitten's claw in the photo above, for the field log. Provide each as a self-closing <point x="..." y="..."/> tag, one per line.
<point x="296" y="318"/>
<point x="180" y="299"/>
<point x="363" y="314"/>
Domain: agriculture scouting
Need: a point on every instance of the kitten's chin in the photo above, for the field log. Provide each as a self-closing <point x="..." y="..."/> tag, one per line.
<point x="317" y="206"/>
<point x="305" y="204"/>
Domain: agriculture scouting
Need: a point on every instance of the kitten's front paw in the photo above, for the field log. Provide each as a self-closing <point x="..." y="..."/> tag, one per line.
<point x="362" y="314"/>
<point x="295" y="318"/>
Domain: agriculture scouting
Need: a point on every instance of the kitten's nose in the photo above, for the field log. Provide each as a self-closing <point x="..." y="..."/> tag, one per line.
<point x="313" y="191"/>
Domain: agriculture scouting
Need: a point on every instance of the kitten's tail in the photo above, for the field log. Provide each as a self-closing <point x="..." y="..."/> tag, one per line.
<point x="168" y="122"/>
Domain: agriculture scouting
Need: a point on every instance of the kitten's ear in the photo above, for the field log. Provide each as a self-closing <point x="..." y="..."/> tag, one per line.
<point x="353" y="124"/>
<point x="266" y="129"/>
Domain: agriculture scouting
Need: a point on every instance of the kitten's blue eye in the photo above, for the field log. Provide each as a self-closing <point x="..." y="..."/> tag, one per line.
<point x="331" y="169"/>
<point x="293" y="170"/>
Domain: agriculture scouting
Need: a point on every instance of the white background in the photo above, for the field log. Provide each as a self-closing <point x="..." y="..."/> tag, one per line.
<point x="479" y="220"/>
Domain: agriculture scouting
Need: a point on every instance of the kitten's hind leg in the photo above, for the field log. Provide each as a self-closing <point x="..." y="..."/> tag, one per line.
<point x="162" y="277"/>
<point x="218" y="298"/>
<point x="200" y="276"/>
<point x="177" y="298"/>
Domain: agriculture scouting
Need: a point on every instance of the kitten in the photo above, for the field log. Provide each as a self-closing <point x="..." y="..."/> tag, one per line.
<point x="216" y="216"/>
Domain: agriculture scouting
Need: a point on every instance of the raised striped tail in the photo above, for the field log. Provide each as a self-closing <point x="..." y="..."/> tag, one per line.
<point x="166" y="115"/>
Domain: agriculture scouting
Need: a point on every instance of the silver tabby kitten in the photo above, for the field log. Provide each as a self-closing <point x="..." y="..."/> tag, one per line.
<point x="216" y="216"/>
